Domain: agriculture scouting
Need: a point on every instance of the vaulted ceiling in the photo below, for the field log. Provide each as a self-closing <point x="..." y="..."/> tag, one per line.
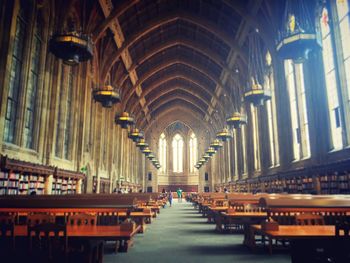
<point x="188" y="54"/>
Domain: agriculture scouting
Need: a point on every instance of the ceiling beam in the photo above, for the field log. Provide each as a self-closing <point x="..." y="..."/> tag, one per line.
<point x="165" y="65"/>
<point x="157" y="23"/>
<point x="240" y="38"/>
<point x="182" y="98"/>
<point x="110" y="19"/>
<point x="113" y="24"/>
<point x="172" y="77"/>
<point x="173" y="89"/>
<point x="171" y="115"/>
<point x="163" y="46"/>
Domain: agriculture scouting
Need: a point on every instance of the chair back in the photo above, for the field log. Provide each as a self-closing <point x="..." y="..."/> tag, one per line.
<point x="309" y="219"/>
<point x="47" y="236"/>
<point x="7" y="223"/>
<point x="7" y="232"/>
<point x="82" y="220"/>
<point x="47" y="230"/>
<point x="37" y="219"/>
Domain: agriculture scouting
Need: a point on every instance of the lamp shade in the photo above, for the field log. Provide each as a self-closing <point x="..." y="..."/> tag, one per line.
<point x="216" y="144"/>
<point x="135" y="135"/>
<point x="297" y="36"/>
<point x="142" y="144"/>
<point x="236" y="120"/>
<point x="72" y="47"/>
<point x="124" y="120"/>
<point x="107" y="96"/>
<point x="257" y="95"/>
<point x="210" y="151"/>
<point x="224" y="135"/>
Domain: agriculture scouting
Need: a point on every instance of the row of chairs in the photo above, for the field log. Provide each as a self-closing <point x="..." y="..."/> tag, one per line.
<point x="47" y="240"/>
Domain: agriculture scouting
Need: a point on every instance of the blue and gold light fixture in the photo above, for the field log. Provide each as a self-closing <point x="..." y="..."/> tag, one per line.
<point x="107" y="96"/>
<point x="124" y="120"/>
<point x="298" y="35"/>
<point x="72" y="47"/>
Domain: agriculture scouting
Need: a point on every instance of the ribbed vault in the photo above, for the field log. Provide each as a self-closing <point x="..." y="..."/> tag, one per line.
<point x="176" y="55"/>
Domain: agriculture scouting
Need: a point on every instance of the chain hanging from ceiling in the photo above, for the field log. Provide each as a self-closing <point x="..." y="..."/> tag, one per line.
<point x="298" y="34"/>
<point x="71" y="43"/>
<point x="255" y="93"/>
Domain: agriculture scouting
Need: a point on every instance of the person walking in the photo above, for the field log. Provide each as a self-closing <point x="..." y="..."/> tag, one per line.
<point x="170" y="198"/>
<point x="179" y="195"/>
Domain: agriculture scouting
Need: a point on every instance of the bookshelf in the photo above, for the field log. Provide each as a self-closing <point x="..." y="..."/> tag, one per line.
<point x="335" y="183"/>
<point x="104" y="185"/>
<point x="331" y="179"/>
<point x="22" y="178"/>
<point x="66" y="182"/>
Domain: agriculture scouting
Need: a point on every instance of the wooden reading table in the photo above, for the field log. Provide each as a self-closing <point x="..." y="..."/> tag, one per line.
<point x="304" y="237"/>
<point x="224" y="220"/>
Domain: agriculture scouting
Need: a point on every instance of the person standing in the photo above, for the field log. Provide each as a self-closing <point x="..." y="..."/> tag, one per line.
<point x="170" y="198"/>
<point x="179" y="195"/>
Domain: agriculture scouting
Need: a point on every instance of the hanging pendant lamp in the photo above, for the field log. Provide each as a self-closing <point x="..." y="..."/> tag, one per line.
<point x="210" y="151"/>
<point x="107" y="96"/>
<point x="236" y="120"/>
<point x="298" y="35"/>
<point x="224" y="135"/>
<point x="124" y="120"/>
<point x="206" y="157"/>
<point x="135" y="135"/>
<point x="147" y="151"/>
<point x="202" y="161"/>
<point x="72" y="47"/>
<point x="216" y="144"/>
<point x="255" y="93"/>
<point x="151" y="157"/>
<point x="142" y="144"/>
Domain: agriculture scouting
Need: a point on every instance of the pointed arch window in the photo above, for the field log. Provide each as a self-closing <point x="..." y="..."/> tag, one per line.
<point x="177" y="146"/>
<point x="344" y="26"/>
<point x="272" y="120"/>
<point x="162" y="152"/>
<point x="32" y="87"/>
<point x="193" y="152"/>
<point x="298" y="110"/>
<point x="330" y="80"/>
<point x="255" y="130"/>
<point x="64" y="120"/>
<point x="244" y="149"/>
<point x="68" y="117"/>
<point x="16" y="72"/>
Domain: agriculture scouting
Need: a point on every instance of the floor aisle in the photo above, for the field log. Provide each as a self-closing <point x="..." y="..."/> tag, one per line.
<point x="181" y="235"/>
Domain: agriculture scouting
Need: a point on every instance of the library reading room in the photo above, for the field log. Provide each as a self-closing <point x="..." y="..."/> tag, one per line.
<point x="175" y="131"/>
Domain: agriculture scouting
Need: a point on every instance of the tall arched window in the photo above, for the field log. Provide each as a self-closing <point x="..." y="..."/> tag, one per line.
<point x="178" y="145"/>
<point x="272" y="120"/>
<point x="298" y="109"/>
<point x="344" y="26"/>
<point x="64" y="121"/>
<point x="16" y="71"/>
<point x="193" y="152"/>
<point x="331" y="83"/>
<point x="162" y="153"/>
<point x="32" y="86"/>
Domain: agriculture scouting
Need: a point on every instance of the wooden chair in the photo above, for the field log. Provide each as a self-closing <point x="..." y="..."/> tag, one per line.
<point x="92" y="251"/>
<point x="7" y="237"/>
<point x="82" y="220"/>
<point x="40" y="218"/>
<point x="309" y="219"/>
<point x="48" y="241"/>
